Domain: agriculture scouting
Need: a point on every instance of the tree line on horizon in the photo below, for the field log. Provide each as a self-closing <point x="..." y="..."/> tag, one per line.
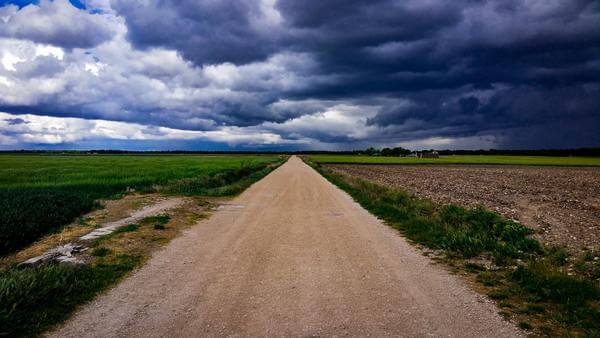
<point x="371" y="151"/>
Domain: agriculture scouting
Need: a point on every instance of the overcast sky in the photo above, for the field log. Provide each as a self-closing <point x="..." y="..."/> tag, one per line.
<point x="289" y="74"/>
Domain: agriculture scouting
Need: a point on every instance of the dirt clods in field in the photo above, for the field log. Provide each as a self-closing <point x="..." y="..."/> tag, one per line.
<point x="563" y="204"/>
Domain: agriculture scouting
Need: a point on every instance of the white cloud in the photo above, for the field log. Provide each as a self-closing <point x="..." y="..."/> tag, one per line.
<point x="114" y="81"/>
<point x="471" y="142"/>
<point x="9" y="60"/>
<point x="57" y="23"/>
<point x="5" y="81"/>
<point x="334" y="122"/>
<point x="47" y="50"/>
<point x="19" y="129"/>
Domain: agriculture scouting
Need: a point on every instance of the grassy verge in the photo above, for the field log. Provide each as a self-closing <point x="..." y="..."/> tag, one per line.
<point x="462" y="159"/>
<point x="34" y="300"/>
<point x="529" y="281"/>
<point x="31" y="300"/>
<point x="41" y="194"/>
<point x="224" y="183"/>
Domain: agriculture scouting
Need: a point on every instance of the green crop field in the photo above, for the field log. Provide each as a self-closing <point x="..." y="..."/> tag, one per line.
<point x="41" y="193"/>
<point x="461" y="159"/>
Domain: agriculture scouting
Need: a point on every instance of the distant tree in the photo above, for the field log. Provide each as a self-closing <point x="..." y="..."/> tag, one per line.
<point x="386" y="152"/>
<point x="371" y="151"/>
<point x="399" y="151"/>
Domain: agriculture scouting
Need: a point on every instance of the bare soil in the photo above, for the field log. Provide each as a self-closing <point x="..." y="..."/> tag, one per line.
<point x="562" y="203"/>
<point x="292" y="256"/>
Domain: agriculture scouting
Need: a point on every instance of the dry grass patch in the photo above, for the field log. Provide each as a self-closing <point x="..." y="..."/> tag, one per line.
<point x="150" y="233"/>
<point x="112" y="210"/>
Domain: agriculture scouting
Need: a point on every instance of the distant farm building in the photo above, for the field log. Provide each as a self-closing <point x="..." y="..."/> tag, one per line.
<point x="432" y="154"/>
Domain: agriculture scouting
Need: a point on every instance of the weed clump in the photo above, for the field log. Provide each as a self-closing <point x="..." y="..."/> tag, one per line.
<point x="498" y="295"/>
<point x="525" y="325"/>
<point x="158" y="222"/>
<point x="100" y="252"/>
<point x="549" y="284"/>
<point x="127" y="228"/>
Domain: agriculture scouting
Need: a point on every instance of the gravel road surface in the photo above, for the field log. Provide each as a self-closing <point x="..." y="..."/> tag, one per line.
<point x="291" y="256"/>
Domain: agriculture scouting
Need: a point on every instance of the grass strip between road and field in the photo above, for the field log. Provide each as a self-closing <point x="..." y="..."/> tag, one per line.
<point x="527" y="280"/>
<point x="33" y="300"/>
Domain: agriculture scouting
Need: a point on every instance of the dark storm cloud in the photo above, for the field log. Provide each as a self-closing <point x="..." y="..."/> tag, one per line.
<point x="513" y="69"/>
<point x="340" y="26"/>
<point x="545" y="55"/>
<point x="464" y="112"/>
<point x="204" y="31"/>
<point x="16" y="121"/>
<point x="420" y="45"/>
<point x="387" y="46"/>
<point x="41" y="66"/>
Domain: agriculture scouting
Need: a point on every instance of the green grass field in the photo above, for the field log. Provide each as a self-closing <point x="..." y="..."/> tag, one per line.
<point x="462" y="159"/>
<point x="40" y="193"/>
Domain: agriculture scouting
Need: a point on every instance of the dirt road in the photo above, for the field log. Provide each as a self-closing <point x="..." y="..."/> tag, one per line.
<point x="292" y="256"/>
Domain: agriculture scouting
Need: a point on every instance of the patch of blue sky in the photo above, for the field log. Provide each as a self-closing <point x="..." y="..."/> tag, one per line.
<point x="22" y="3"/>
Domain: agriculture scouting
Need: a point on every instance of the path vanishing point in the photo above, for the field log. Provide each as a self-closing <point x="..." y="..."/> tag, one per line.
<point x="291" y="256"/>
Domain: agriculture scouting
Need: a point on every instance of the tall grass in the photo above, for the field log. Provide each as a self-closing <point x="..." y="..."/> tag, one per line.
<point x="34" y="299"/>
<point x="40" y="194"/>
<point x="227" y="182"/>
